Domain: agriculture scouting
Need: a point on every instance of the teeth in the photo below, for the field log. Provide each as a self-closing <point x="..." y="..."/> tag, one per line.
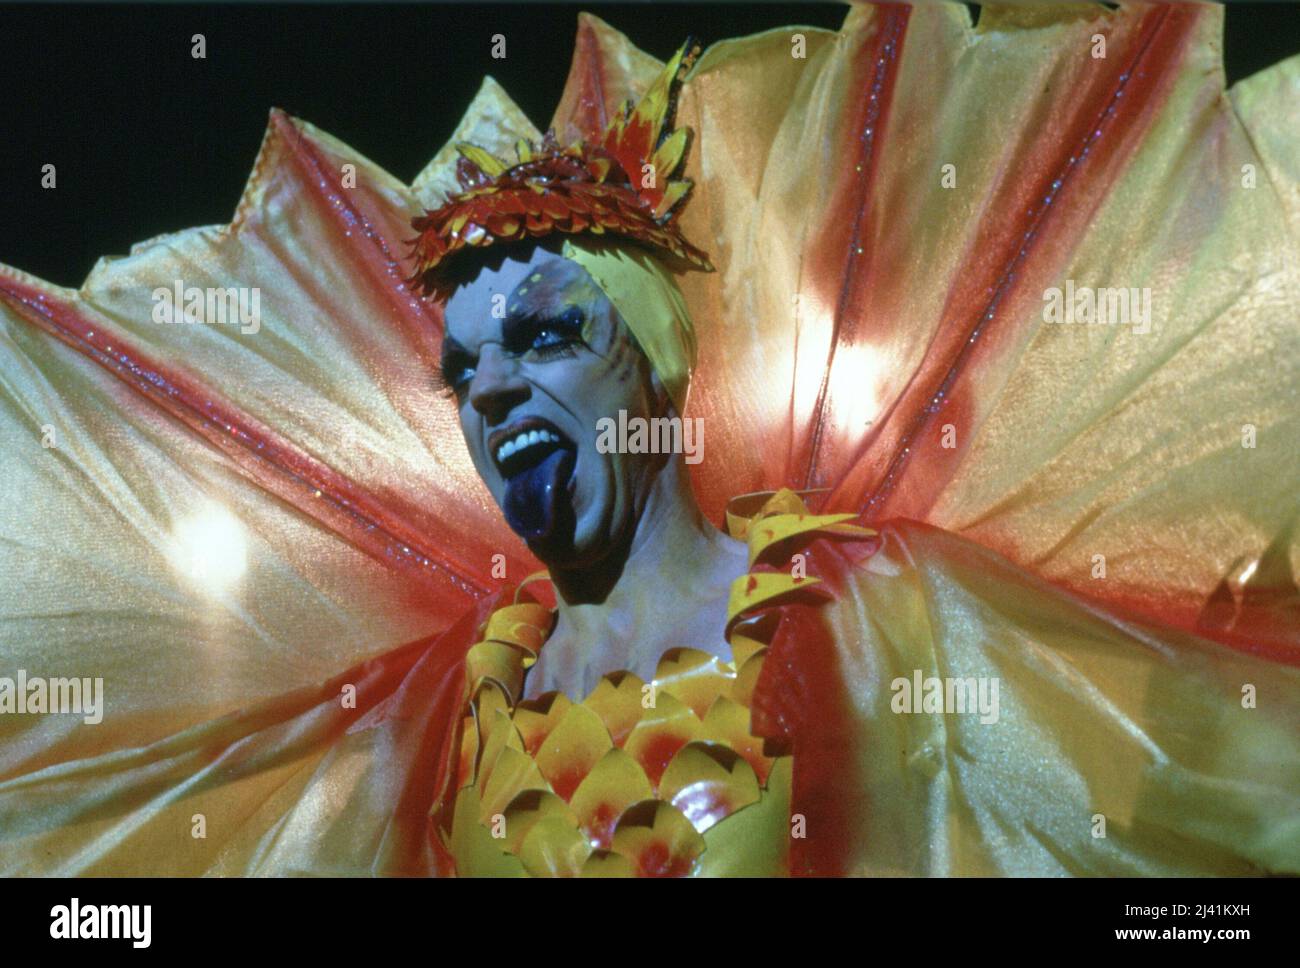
<point x="525" y="439"/>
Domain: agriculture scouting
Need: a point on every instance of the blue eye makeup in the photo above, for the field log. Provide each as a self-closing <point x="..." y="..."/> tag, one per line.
<point x="533" y="337"/>
<point x="543" y="335"/>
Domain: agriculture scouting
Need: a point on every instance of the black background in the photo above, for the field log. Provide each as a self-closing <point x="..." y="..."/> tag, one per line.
<point x="147" y="140"/>
<point x="758" y="922"/>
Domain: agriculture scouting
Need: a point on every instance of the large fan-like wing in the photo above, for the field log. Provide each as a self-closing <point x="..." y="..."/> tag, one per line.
<point x="245" y="507"/>
<point x="889" y="223"/>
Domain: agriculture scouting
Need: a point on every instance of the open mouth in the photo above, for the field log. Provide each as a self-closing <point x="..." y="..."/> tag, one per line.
<point x="525" y="444"/>
<point x="536" y="461"/>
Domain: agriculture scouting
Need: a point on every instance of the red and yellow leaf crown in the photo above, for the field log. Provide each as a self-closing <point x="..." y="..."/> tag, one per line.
<point x="622" y="185"/>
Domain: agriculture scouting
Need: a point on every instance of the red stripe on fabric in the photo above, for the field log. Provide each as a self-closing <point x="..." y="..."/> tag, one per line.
<point x="419" y="320"/>
<point x="263" y="455"/>
<point x="1104" y="137"/>
<point x="882" y="53"/>
<point x="802" y="698"/>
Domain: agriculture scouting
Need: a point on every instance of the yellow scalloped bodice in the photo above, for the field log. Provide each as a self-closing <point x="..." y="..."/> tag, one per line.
<point x="659" y="778"/>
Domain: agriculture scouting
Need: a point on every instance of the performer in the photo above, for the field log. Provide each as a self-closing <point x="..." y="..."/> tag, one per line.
<point x="1042" y="621"/>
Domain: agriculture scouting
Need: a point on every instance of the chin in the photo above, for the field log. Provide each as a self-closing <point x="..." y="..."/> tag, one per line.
<point x="594" y="532"/>
<point x="587" y="540"/>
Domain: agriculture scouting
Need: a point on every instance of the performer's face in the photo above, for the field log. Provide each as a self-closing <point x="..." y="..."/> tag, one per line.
<point x="536" y="355"/>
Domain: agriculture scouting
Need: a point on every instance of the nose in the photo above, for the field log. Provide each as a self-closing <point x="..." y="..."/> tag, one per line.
<point x="497" y="386"/>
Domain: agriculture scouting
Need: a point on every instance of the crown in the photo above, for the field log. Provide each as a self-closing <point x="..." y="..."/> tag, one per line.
<point x="621" y="185"/>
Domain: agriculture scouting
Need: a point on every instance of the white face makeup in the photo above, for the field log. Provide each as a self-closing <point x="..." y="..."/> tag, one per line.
<point x="536" y="355"/>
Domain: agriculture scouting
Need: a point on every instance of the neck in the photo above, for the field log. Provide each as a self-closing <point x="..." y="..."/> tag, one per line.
<point x="676" y="565"/>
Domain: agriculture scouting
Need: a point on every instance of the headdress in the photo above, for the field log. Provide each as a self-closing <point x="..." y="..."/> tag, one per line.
<point x="622" y="185"/>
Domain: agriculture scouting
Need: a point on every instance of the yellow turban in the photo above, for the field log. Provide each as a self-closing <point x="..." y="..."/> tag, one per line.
<point x="645" y="294"/>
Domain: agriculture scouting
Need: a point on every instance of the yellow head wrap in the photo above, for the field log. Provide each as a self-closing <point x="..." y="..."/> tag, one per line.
<point x="645" y="294"/>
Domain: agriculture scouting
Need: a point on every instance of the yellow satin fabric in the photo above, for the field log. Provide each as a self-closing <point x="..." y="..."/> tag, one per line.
<point x="297" y="784"/>
<point x="1096" y="717"/>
